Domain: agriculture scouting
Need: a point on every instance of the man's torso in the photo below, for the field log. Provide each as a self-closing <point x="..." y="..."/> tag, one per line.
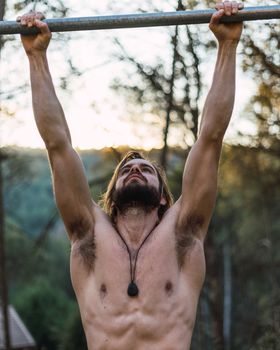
<point x="162" y="316"/>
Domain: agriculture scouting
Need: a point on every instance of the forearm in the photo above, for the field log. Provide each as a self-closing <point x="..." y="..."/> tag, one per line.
<point x="220" y="100"/>
<point x="48" y="112"/>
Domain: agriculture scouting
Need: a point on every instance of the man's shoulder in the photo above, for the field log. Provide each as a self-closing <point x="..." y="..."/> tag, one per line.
<point x="100" y="215"/>
<point x="172" y="212"/>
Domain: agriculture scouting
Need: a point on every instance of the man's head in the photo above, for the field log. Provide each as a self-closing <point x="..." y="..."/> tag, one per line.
<point x="137" y="182"/>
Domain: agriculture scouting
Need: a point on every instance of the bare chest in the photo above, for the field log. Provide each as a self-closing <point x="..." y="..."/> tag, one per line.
<point x="153" y="269"/>
<point x="111" y="265"/>
<point x="152" y="266"/>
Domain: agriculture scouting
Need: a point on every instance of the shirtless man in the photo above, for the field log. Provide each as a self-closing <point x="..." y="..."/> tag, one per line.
<point x="138" y="268"/>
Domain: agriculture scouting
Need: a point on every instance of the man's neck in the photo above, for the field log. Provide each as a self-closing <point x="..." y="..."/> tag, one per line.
<point x="134" y="224"/>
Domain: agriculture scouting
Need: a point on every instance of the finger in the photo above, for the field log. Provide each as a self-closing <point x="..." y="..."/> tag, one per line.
<point x="30" y="17"/>
<point x="39" y="15"/>
<point x="44" y="29"/>
<point x="215" y="19"/>
<point x="227" y="7"/>
<point x="23" y="21"/>
<point x="219" y="6"/>
<point x="234" y="9"/>
<point x="30" y="21"/>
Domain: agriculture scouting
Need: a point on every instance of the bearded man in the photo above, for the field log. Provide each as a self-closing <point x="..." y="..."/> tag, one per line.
<point x="138" y="267"/>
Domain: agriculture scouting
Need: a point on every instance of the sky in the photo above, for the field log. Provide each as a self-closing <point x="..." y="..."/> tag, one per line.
<point x="97" y="117"/>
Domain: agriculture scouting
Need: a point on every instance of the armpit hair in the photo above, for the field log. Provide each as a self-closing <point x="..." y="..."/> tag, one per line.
<point x="186" y="235"/>
<point x="79" y="228"/>
<point x="87" y="251"/>
<point x="86" y="247"/>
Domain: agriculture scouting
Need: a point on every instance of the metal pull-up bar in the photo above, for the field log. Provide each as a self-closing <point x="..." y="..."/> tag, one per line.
<point x="142" y="20"/>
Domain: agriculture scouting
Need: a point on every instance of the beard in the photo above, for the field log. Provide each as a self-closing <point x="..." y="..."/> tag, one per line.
<point x="136" y="195"/>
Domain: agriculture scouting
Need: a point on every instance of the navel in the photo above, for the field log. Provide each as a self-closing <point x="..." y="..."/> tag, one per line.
<point x="103" y="291"/>
<point x="168" y="288"/>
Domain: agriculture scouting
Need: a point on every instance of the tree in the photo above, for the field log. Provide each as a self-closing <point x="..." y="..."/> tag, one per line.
<point x="6" y="44"/>
<point x="10" y="44"/>
<point x="43" y="309"/>
<point x="3" y="278"/>
<point x="73" y="337"/>
<point x="261" y="60"/>
<point x="168" y="91"/>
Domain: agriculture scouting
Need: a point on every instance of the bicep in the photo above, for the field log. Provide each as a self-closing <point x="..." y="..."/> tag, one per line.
<point x="72" y="193"/>
<point x="199" y="186"/>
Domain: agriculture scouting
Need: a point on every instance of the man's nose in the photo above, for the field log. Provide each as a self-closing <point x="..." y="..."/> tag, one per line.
<point x="135" y="169"/>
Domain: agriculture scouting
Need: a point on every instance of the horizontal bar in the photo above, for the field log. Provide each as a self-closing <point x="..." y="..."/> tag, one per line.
<point x="142" y="20"/>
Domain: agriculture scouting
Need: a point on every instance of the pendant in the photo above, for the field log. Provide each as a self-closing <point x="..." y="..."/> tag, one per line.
<point x="132" y="289"/>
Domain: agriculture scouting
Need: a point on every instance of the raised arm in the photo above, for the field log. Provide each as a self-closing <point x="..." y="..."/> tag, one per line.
<point x="70" y="185"/>
<point x="200" y="174"/>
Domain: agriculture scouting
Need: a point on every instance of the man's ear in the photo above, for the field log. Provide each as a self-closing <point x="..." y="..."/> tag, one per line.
<point x="163" y="200"/>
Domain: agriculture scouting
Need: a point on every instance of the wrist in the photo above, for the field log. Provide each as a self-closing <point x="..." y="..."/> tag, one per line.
<point x="38" y="61"/>
<point x="36" y="54"/>
<point x="37" y="58"/>
<point x="232" y="43"/>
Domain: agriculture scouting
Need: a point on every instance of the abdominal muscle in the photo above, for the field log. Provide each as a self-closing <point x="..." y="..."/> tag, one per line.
<point x="150" y="321"/>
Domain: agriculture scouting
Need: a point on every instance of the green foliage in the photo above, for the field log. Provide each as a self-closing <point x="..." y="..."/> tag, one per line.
<point x="16" y="241"/>
<point x="73" y="337"/>
<point x="28" y="190"/>
<point x="44" y="308"/>
<point x="269" y="340"/>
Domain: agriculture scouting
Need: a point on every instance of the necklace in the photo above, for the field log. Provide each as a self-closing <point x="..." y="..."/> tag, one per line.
<point x="132" y="289"/>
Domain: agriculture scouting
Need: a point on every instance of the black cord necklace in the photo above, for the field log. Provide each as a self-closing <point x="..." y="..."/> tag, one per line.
<point x="132" y="289"/>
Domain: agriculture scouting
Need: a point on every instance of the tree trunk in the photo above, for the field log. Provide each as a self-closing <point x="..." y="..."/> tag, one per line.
<point x="227" y="295"/>
<point x="163" y="159"/>
<point x="214" y="261"/>
<point x="206" y="318"/>
<point x="3" y="278"/>
<point x="2" y="9"/>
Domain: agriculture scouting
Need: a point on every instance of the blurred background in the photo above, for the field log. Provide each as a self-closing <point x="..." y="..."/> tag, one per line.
<point x="144" y="89"/>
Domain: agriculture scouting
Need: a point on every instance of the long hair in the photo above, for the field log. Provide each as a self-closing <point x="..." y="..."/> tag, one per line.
<point x="107" y="198"/>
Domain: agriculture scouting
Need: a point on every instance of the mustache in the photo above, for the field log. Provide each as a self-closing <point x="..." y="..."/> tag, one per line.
<point x="137" y="175"/>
